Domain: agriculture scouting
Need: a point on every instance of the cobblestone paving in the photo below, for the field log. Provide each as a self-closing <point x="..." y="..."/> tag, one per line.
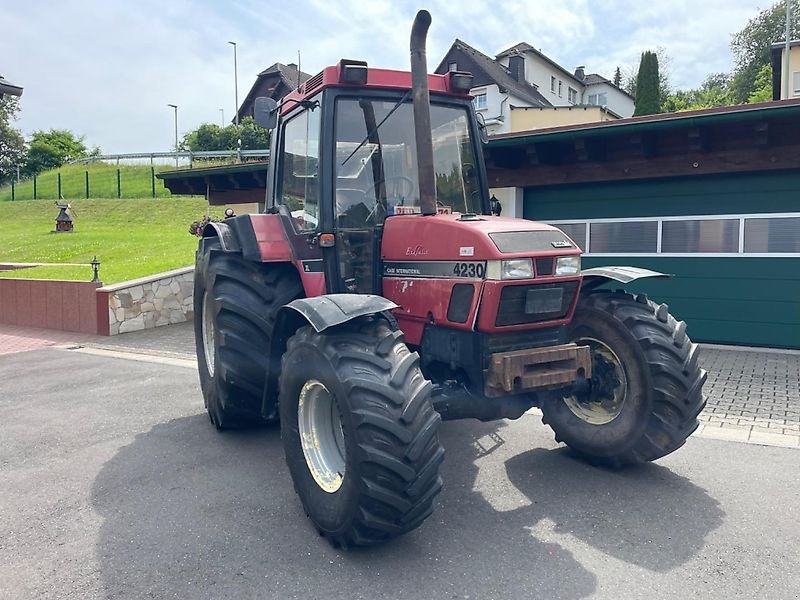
<point x="21" y="339"/>
<point x="753" y="395"/>
<point x="753" y="389"/>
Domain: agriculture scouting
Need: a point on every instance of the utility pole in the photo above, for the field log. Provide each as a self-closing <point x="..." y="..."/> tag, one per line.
<point x="175" y="108"/>
<point x="222" y="117"/>
<point x="236" y="98"/>
<point x="787" y="50"/>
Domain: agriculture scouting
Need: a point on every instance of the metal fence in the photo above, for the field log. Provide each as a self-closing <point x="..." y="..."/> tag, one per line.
<point x="187" y="157"/>
<point x="129" y="175"/>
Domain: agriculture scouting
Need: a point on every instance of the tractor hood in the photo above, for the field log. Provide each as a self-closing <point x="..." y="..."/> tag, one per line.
<point x="466" y="237"/>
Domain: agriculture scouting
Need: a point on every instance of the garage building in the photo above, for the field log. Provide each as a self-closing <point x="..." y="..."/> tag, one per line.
<point x="712" y="197"/>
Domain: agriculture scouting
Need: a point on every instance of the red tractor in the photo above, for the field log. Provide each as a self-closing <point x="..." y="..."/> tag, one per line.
<point x="378" y="294"/>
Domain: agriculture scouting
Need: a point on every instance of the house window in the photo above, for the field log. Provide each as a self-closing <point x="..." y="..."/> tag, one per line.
<point x="572" y="95"/>
<point x="479" y="101"/>
<point x="796" y="83"/>
<point x="452" y="66"/>
<point x="625" y="237"/>
<point x="552" y="84"/>
<point x="598" y="99"/>
<point x="560" y="84"/>
<point x="713" y="235"/>
<point x="776" y="234"/>
<point x="695" y="235"/>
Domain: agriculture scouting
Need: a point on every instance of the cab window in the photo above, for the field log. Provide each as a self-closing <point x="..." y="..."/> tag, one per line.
<point x="299" y="183"/>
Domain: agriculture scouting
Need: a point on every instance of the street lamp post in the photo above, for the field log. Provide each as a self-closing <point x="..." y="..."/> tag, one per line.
<point x="222" y="117"/>
<point x="236" y="99"/>
<point x="175" y="108"/>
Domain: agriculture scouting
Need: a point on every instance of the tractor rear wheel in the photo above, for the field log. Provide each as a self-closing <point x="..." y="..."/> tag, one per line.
<point x="646" y="386"/>
<point x="236" y="302"/>
<point x="359" y="432"/>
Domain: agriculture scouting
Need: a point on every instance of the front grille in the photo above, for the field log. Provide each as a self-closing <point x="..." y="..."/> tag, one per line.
<point x="523" y="304"/>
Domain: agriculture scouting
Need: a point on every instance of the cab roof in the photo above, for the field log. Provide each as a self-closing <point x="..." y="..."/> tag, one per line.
<point x="385" y="79"/>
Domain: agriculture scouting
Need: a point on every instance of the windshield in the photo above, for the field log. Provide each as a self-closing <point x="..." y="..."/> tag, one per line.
<point x="376" y="169"/>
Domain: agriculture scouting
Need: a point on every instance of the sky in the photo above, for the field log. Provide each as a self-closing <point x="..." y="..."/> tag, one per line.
<point x="107" y="69"/>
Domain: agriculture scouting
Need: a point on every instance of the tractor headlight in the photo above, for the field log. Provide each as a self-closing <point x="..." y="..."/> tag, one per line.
<point x="518" y="268"/>
<point x="568" y="265"/>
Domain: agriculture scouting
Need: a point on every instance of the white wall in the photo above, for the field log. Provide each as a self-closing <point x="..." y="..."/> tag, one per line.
<point x="618" y="101"/>
<point x="538" y="72"/>
<point x="498" y="108"/>
<point x="511" y="199"/>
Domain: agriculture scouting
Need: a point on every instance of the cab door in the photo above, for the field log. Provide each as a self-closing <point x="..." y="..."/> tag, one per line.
<point x="298" y="193"/>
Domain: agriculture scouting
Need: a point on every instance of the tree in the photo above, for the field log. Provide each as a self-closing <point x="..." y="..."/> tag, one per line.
<point x="12" y="144"/>
<point x="210" y="137"/>
<point x="752" y="46"/>
<point x="51" y="149"/>
<point x="714" y="91"/>
<point x="630" y="75"/>
<point x="763" y="86"/>
<point x="618" y="78"/>
<point x="648" y="95"/>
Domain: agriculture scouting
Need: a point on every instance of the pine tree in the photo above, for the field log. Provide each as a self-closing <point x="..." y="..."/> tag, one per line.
<point x="648" y="95"/>
<point x="618" y="78"/>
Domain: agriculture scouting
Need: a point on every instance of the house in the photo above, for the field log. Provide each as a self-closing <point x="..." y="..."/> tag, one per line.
<point x="564" y="88"/>
<point x="521" y="77"/>
<point x="275" y="82"/>
<point x="778" y="70"/>
<point x="6" y="87"/>
<point x="495" y="87"/>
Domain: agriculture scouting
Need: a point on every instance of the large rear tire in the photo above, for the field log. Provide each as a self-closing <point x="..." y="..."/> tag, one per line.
<point x="236" y="302"/>
<point x="646" y="388"/>
<point x="359" y="432"/>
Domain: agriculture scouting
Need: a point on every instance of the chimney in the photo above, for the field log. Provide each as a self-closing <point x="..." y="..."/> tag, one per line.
<point x="292" y="66"/>
<point x="516" y="67"/>
<point x="580" y="74"/>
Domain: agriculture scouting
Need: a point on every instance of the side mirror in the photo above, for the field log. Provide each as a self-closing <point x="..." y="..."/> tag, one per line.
<point x="482" y="131"/>
<point x="265" y="112"/>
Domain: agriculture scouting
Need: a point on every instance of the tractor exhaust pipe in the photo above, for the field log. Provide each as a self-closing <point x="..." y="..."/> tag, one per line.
<point x="422" y="113"/>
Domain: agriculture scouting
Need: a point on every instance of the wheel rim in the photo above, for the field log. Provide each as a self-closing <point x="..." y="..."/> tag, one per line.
<point x="608" y="389"/>
<point x="208" y="336"/>
<point x="321" y="435"/>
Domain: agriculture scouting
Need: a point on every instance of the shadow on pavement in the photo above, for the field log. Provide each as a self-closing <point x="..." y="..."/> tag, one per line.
<point x="192" y="513"/>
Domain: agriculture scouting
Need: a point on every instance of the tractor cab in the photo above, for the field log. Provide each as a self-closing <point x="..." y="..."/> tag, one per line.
<point x="346" y="160"/>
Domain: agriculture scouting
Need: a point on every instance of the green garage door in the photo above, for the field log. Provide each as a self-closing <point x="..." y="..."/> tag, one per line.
<point x="731" y="241"/>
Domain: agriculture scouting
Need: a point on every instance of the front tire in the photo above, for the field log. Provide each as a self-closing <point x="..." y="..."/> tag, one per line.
<point x="236" y="302"/>
<point x="359" y="432"/>
<point x="646" y="389"/>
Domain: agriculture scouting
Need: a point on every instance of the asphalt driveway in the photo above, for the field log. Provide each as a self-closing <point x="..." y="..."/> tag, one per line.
<point x="113" y="484"/>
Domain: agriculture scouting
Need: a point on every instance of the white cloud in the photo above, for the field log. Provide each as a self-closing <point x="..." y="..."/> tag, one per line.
<point x="108" y="69"/>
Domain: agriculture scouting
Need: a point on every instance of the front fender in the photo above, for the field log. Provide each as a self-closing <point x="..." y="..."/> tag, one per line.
<point x="330" y="310"/>
<point x="321" y="312"/>
<point x="597" y="276"/>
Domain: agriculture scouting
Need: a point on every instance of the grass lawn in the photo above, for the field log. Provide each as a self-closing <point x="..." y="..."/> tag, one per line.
<point x="131" y="238"/>
<point x="135" y="182"/>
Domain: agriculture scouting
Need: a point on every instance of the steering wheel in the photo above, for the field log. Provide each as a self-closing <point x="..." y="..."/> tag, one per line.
<point x="399" y="181"/>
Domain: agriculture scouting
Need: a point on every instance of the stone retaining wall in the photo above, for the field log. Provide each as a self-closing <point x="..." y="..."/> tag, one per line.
<point x="150" y="302"/>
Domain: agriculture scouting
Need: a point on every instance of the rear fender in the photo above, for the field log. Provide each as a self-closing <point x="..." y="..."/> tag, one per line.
<point x="225" y="234"/>
<point x="322" y="313"/>
<point x="597" y="276"/>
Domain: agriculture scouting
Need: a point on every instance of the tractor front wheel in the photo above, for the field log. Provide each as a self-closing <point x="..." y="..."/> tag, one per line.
<point x="646" y="387"/>
<point x="359" y="432"/>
